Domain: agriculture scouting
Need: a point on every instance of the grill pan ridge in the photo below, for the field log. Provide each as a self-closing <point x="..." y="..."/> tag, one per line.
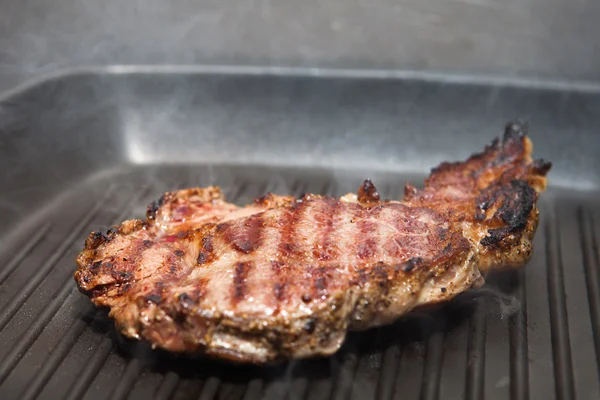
<point x="528" y="334"/>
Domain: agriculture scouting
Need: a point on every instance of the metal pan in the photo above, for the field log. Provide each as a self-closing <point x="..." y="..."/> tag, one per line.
<point x="86" y="149"/>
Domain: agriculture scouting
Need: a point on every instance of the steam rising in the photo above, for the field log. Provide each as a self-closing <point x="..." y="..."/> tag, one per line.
<point x="506" y="304"/>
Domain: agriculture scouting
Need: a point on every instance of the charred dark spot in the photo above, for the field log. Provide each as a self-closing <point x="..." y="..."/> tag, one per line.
<point x="541" y="166"/>
<point x="495" y="143"/>
<point x="306" y="298"/>
<point x="495" y="237"/>
<point x="179" y="253"/>
<point x="147" y="243"/>
<point x="484" y="201"/>
<point x="483" y="204"/>
<point x="98" y="236"/>
<point x="108" y="265"/>
<point x="153" y="207"/>
<point x="96" y="265"/>
<point x="95" y="239"/>
<point x="511" y="147"/>
<point x="239" y="279"/>
<point x="207" y="243"/>
<point x="205" y="256"/>
<point x="517" y="205"/>
<point x="514" y="130"/>
<point x="443" y="290"/>
<point x="179" y="318"/>
<point x="367" y="193"/>
<point x="86" y="279"/>
<point x="185" y="300"/>
<point x="412" y="263"/>
<point x="443" y="233"/>
<point x="125" y="275"/>
<point x="112" y="231"/>
<point x="517" y="200"/>
<point x="310" y="325"/>
<point x="153" y="298"/>
<point x="184" y="297"/>
<point x="124" y="258"/>
<point x="124" y="288"/>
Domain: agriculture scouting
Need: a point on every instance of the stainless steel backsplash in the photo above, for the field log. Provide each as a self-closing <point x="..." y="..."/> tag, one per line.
<point x="549" y="39"/>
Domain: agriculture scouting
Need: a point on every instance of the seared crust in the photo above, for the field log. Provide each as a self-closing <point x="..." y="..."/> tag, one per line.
<point x="286" y="278"/>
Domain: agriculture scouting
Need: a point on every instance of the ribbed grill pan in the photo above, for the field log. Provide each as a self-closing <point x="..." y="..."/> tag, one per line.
<point x="84" y="150"/>
<point x="532" y="333"/>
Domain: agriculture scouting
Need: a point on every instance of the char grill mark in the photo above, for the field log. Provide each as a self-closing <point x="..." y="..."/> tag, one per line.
<point x="368" y="233"/>
<point x="206" y="254"/>
<point x="245" y="237"/>
<point x="285" y="228"/>
<point x="279" y="285"/>
<point x="326" y="212"/>
<point x="284" y="221"/>
<point x="240" y="288"/>
<point x="288" y="247"/>
<point x="266" y="283"/>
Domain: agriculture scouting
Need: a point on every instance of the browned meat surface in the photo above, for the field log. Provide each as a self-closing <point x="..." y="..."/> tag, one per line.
<point x="286" y="278"/>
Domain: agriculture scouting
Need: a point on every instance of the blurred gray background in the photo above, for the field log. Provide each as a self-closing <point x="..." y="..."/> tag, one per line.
<point x="548" y="39"/>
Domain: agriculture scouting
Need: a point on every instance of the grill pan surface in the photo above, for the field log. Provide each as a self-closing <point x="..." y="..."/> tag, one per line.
<point x="83" y="151"/>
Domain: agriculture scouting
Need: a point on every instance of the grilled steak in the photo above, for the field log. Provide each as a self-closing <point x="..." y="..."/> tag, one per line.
<point x="286" y="278"/>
